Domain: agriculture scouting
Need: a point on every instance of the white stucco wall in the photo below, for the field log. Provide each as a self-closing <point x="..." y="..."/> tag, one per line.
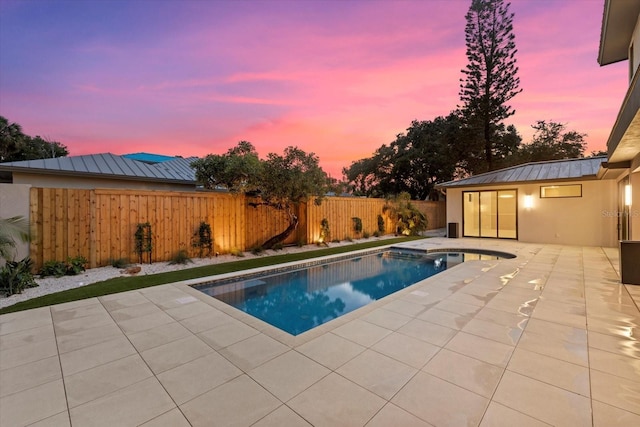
<point x="586" y="221"/>
<point x="59" y="181"/>
<point x="14" y="201"/>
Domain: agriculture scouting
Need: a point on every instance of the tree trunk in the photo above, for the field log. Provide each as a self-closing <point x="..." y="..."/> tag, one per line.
<point x="279" y="238"/>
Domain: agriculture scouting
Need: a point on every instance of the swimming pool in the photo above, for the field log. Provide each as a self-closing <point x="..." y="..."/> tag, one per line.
<point x="303" y="297"/>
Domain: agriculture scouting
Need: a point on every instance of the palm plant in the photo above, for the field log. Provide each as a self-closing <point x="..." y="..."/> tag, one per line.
<point x="11" y="229"/>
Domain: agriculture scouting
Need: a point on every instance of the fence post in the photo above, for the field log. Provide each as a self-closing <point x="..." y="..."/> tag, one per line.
<point x="93" y="246"/>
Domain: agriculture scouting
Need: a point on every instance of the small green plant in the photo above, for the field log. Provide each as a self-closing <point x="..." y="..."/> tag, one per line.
<point x="278" y="247"/>
<point x="258" y="250"/>
<point x="15" y="276"/>
<point x="76" y="265"/>
<point x="357" y="225"/>
<point x="143" y="240"/>
<point x="203" y="239"/>
<point x="53" y="268"/>
<point x="348" y="239"/>
<point x="335" y="241"/>
<point x="72" y="267"/>
<point x="181" y="258"/>
<point x="119" y="262"/>
<point x="381" y="226"/>
<point x="236" y="252"/>
<point x="376" y="233"/>
<point x="325" y="232"/>
<point x="366" y="235"/>
<point x="301" y="242"/>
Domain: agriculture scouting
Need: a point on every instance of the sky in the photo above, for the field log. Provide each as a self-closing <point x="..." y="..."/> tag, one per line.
<point x="336" y="78"/>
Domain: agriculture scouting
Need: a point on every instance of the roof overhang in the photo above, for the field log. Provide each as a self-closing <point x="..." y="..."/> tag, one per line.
<point x="624" y="141"/>
<point x="72" y="174"/>
<point x="516" y="183"/>
<point x="618" y="21"/>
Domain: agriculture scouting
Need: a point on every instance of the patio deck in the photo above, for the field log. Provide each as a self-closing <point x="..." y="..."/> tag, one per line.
<point x="547" y="338"/>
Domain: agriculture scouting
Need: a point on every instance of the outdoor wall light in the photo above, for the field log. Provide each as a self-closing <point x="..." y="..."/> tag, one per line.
<point x="528" y="201"/>
<point x="627" y="195"/>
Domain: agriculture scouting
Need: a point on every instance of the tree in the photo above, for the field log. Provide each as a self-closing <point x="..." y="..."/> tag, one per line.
<point x="289" y="180"/>
<point x="16" y="146"/>
<point x="490" y="76"/>
<point x="427" y="154"/>
<point x="238" y="170"/>
<point x="551" y="141"/>
<point x="282" y="182"/>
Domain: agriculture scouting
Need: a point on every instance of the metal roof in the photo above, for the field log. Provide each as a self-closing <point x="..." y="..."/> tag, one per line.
<point x="109" y="165"/>
<point x="553" y="170"/>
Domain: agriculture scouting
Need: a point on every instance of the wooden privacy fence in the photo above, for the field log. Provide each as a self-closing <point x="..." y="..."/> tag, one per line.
<point x="100" y="224"/>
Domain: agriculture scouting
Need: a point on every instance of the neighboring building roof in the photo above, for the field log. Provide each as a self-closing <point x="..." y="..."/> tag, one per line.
<point x="110" y="166"/>
<point x="148" y="157"/>
<point x="582" y="168"/>
<point x="618" y="21"/>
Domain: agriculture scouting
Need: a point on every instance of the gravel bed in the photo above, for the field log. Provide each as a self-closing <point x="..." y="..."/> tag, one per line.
<point x="50" y="285"/>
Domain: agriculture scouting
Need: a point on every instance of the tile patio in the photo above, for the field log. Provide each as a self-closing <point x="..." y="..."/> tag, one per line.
<point x="547" y="338"/>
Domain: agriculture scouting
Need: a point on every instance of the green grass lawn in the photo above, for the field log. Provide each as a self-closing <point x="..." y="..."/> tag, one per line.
<point x="122" y="284"/>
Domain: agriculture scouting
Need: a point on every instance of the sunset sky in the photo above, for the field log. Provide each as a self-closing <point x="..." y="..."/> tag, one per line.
<point x="338" y="78"/>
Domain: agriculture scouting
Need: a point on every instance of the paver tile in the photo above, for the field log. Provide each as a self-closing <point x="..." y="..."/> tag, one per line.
<point x="239" y="402"/>
<point x="469" y="373"/>
<point x="331" y="350"/>
<point x="336" y="401"/>
<point x="439" y="402"/>
<point x="191" y="379"/>
<point x="377" y="373"/>
<point x="543" y="401"/>
<point x="130" y="406"/>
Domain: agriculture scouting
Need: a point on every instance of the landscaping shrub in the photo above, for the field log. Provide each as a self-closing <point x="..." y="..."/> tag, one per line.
<point x="72" y="267"/>
<point x="357" y="225"/>
<point x="258" y="250"/>
<point x="15" y="276"/>
<point x="119" y="262"/>
<point x="325" y="233"/>
<point x="181" y="258"/>
<point x="76" y="265"/>
<point x="203" y="239"/>
<point x="380" y="225"/>
<point x="53" y="268"/>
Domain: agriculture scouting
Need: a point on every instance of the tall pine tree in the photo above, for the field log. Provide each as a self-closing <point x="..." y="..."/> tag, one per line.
<point x="490" y="77"/>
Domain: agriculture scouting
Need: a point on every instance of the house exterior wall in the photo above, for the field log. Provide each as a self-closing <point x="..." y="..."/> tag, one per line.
<point x="14" y="201"/>
<point x="589" y="220"/>
<point x="634" y="180"/>
<point x="61" y="181"/>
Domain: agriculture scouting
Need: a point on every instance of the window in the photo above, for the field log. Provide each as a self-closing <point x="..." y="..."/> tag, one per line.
<point x="554" y="191"/>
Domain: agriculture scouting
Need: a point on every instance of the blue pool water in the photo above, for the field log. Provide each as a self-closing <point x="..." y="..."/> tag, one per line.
<point x="299" y="300"/>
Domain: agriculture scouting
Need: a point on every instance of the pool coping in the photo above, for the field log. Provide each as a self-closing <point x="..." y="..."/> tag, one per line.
<point x="295" y="340"/>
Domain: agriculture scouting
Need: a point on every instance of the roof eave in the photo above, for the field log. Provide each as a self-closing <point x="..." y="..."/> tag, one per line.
<point x="512" y="183"/>
<point x="32" y="171"/>
<point x="618" y="21"/>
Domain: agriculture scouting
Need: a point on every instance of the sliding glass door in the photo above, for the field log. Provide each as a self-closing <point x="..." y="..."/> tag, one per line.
<point x="490" y="214"/>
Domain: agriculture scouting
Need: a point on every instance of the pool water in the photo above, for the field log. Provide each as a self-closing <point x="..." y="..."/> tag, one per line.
<point x="299" y="300"/>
